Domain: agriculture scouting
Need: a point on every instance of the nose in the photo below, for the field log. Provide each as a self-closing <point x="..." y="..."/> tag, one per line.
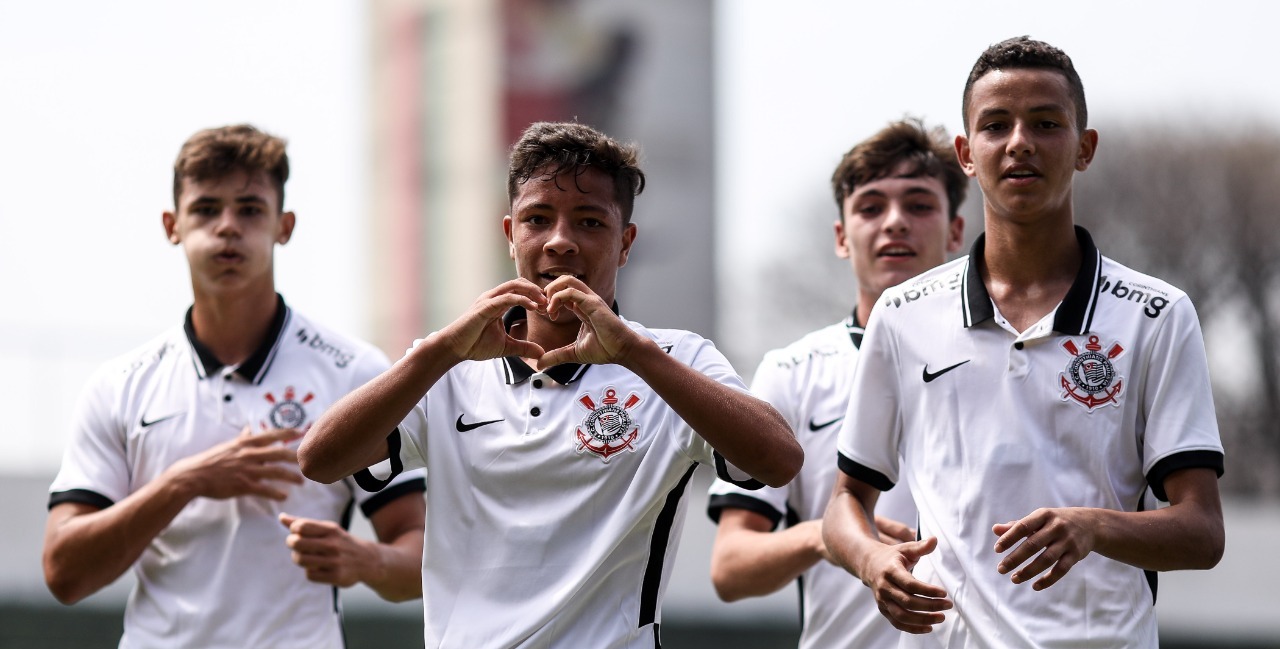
<point x="1020" y="141"/>
<point x="895" y="218"/>
<point x="561" y="240"/>
<point x="227" y="224"/>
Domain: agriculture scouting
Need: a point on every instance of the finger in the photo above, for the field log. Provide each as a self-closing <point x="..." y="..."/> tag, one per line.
<point x="265" y="490"/>
<point x="273" y="472"/>
<point x="1059" y="571"/>
<point x="558" y="356"/>
<point x="1012" y="532"/>
<point x="316" y="547"/>
<point x="913" y="550"/>
<point x="272" y="436"/>
<point x="916" y="595"/>
<point x="310" y="527"/>
<point x="895" y="530"/>
<point x="1039" y="564"/>
<point x="523" y="348"/>
<point x="922" y="621"/>
<point x="286" y="520"/>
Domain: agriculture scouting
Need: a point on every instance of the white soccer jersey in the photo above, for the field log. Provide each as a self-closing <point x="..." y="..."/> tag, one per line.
<point x="555" y="498"/>
<point x="809" y="382"/>
<point x="1102" y="398"/>
<point x="220" y="575"/>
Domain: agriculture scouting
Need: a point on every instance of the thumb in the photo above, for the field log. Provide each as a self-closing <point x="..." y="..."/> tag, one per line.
<point x="287" y="520"/>
<point x="916" y="549"/>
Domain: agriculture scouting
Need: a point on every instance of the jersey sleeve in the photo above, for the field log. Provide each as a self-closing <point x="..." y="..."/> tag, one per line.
<point x="705" y="358"/>
<point x="1182" y="427"/>
<point x="95" y="468"/>
<point x="770" y="384"/>
<point x="869" y="437"/>
<point x="406" y="450"/>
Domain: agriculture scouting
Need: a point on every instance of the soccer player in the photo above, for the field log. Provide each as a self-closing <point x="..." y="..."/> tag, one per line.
<point x="558" y="437"/>
<point x="1035" y="391"/>
<point x="897" y="194"/>
<point x="182" y="463"/>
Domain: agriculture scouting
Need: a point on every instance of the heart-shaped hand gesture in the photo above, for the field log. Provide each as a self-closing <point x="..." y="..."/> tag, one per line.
<point x="478" y="334"/>
<point x="602" y="336"/>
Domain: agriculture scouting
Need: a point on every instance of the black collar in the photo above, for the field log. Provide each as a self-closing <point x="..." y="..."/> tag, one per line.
<point x="856" y="330"/>
<point x="254" y="368"/>
<point x="1075" y="314"/>
<point x="518" y="371"/>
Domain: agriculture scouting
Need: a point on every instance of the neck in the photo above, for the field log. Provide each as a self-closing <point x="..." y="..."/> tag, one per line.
<point x="233" y="326"/>
<point x="1026" y="255"/>
<point x="546" y="334"/>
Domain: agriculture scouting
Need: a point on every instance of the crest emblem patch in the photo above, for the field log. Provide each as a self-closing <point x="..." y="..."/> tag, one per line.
<point x="1090" y="378"/>
<point x="287" y="411"/>
<point x="607" y="429"/>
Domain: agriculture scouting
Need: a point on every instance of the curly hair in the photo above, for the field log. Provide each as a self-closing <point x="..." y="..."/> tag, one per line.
<point x="902" y="143"/>
<point x="216" y="152"/>
<point x="548" y="149"/>
<point x="1022" y="52"/>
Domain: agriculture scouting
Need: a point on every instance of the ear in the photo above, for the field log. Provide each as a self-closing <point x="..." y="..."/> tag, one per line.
<point x="507" y="224"/>
<point x="628" y="238"/>
<point x="170" y="221"/>
<point x="287" y="221"/>
<point x="955" y="233"/>
<point x="964" y="155"/>
<point x="842" y="243"/>
<point x="1088" y="146"/>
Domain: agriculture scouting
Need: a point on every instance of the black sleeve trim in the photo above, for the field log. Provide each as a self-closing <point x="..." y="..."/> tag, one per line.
<point x="866" y="474"/>
<point x="722" y="472"/>
<point x="82" y="496"/>
<point x="384" y="498"/>
<point x="719" y="502"/>
<point x="371" y="484"/>
<point x="1177" y="462"/>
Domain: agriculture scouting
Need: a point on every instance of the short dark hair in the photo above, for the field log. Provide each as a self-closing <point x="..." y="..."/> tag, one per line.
<point x="548" y="149"/>
<point x="216" y="152"/>
<point x="904" y="142"/>
<point x="1023" y="52"/>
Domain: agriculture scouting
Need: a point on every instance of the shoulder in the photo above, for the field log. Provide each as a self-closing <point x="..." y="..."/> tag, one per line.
<point x="932" y="288"/>
<point x="144" y="359"/>
<point x="679" y="343"/>
<point x="1124" y="288"/>
<point x="826" y="343"/>
<point x="327" y="345"/>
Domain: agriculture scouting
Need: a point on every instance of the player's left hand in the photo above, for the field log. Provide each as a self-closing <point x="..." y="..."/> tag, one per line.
<point x="602" y="336"/>
<point x="892" y="531"/>
<point x="328" y="553"/>
<point x="1052" y="539"/>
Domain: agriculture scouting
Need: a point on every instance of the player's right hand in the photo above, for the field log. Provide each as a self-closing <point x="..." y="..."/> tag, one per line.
<point x="478" y="333"/>
<point x="909" y="604"/>
<point x="249" y="465"/>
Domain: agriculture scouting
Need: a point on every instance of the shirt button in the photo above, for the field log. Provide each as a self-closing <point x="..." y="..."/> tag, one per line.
<point x="537" y="383"/>
<point x="535" y="411"/>
<point x="1018" y="345"/>
<point x="226" y="397"/>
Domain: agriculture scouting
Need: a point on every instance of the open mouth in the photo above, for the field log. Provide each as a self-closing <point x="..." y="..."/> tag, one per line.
<point x="551" y="276"/>
<point x="896" y="252"/>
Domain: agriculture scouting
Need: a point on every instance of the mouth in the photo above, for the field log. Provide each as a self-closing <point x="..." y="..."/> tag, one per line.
<point x="552" y="275"/>
<point x="1021" y="173"/>
<point x="228" y="257"/>
<point x="895" y="251"/>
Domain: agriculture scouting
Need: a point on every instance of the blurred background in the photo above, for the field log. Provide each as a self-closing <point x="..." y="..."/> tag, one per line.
<point x="399" y="113"/>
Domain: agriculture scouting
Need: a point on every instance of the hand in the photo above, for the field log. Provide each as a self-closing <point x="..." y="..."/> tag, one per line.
<point x="328" y="553"/>
<point x="245" y="466"/>
<point x="602" y="337"/>
<point x="909" y="604"/>
<point x="479" y="335"/>
<point x="892" y="531"/>
<point x="1061" y="538"/>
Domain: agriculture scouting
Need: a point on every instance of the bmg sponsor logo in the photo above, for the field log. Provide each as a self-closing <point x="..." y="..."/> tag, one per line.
<point x="924" y="288"/>
<point x="313" y="340"/>
<point x="1152" y="300"/>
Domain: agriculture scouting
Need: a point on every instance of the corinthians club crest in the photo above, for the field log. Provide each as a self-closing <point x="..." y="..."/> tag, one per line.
<point x="1090" y="378"/>
<point x="608" y="428"/>
<point x="287" y="411"/>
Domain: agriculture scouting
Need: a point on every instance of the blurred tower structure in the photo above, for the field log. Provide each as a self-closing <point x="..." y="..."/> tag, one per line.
<point x="454" y="83"/>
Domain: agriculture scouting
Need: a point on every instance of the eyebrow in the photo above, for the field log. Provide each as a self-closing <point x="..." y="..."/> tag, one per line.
<point x="913" y="190"/>
<point x="577" y="208"/>
<point x="1001" y="112"/>
<point x="252" y="198"/>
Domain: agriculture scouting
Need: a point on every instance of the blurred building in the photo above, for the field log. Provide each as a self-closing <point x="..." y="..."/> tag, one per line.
<point x="455" y="82"/>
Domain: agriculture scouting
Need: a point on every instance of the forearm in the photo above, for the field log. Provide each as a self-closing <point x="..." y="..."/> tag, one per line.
<point x="351" y="435"/>
<point x="1164" y="539"/>
<point x="748" y="432"/>
<point x="397" y="573"/>
<point x="747" y="563"/>
<point x="849" y="531"/>
<point x="87" y="549"/>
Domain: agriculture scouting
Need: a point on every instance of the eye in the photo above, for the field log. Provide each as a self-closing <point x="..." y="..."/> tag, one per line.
<point x="250" y="210"/>
<point x="593" y="223"/>
<point x="205" y="209"/>
<point x="870" y="210"/>
<point x="922" y="208"/>
<point x="993" y="126"/>
<point x="1049" y="124"/>
<point x="535" y="219"/>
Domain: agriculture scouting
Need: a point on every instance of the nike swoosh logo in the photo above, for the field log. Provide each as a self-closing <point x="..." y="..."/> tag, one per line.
<point x="148" y="424"/>
<point x="815" y="426"/>
<point x="464" y="427"/>
<point x="929" y="376"/>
